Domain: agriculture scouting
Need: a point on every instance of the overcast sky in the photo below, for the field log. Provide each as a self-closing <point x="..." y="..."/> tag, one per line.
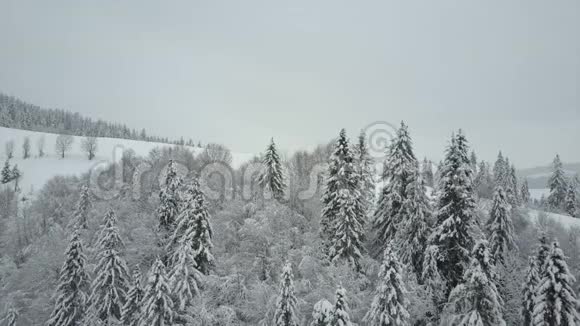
<point x="239" y="72"/>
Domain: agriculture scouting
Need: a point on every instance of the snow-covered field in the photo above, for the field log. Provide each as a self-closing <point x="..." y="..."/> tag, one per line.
<point x="37" y="171"/>
<point x="538" y="193"/>
<point x="565" y="220"/>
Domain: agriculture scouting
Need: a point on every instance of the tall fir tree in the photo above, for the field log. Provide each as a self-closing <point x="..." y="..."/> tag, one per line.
<point x="483" y="182"/>
<point x="322" y="313"/>
<point x="558" y="185"/>
<point x="543" y="252"/>
<point x="389" y="305"/>
<point x="340" y="313"/>
<point x="416" y="228"/>
<point x="132" y="307"/>
<point x="6" y="173"/>
<point x="473" y="162"/>
<point x="555" y="302"/>
<point x="342" y="222"/>
<point x="513" y="189"/>
<point x="529" y="292"/>
<point x="184" y="277"/>
<point x="398" y="172"/>
<point x="157" y="305"/>
<point x="427" y="173"/>
<point x="111" y="283"/>
<point x="81" y="213"/>
<point x="286" y="312"/>
<point x="71" y="300"/>
<point x="476" y="300"/>
<point x="571" y="202"/>
<point x="500" y="171"/>
<point x="169" y="202"/>
<point x="500" y="227"/>
<point x="366" y="170"/>
<point x="525" y="192"/>
<point x="193" y="228"/>
<point x="452" y="235"/>
<point x="272" y="176"/>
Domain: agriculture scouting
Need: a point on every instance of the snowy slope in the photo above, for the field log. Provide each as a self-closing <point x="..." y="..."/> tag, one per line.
<point x="564" y="220"/>
<point x="37" y="171"/>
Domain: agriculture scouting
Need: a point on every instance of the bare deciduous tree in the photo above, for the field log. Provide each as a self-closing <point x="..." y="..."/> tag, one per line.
<point x="9" y="149"/>
<point x="63" y="144"/>
<point x="40" y="144"/>
<point x="89" y="145"/>
<point x="26" y="148"/>
<point x="216" y="153"/>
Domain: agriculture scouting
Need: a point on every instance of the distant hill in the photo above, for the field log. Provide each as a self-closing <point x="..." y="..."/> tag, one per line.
<point x="18" y="114"/>
<point x="538" y="177"/>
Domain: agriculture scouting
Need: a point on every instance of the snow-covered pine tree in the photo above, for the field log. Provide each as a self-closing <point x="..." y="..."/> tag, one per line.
<point x="476" y="300"/>
<point x="389" y="306"/>
<point x="286" y="314"/>
<point x="109" y="288"/>
<point x="169" y="201"/>
<point x="558" y="185"/>
<point x="473" y="162"/>
<point x="340" y="315"/>
<point x="427" y="173"/>
<point x="416" y="227"/>
<point x="272" y="177"/>
<point x="193" y="228"/>
<point x="183" y="277"/>
<point x="6" y="172"/>
<point x="571" y="201"/>
<point x="543" y="252"/>
<point x="529" y="292"/>
<point x="483" y="182"/>
<point x="82" y="210"/>
<point x="157" y="306"/>
<point x="322" y="313"/>
<point x="342" y="220"/>
<point x="525" y="192"/>
<point x="398" y="172"/>
<point x="513" y="193"/>
<point x="555" y="302"/>
<point x="366" y="169"/>
<point x="452" y="234"/>
<point x="132" y="307"/>
<point x="500" y="227"/>
<point x="71" y="291"/>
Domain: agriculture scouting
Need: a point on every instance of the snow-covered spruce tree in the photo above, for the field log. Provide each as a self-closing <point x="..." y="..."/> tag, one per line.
<point x="366" y="169"/>
<point x="285" y="314"/>
<point x="452" y="234"/>
<point x="500" y="227"/>
<point x="389" y="306"/>
<point x="132" y="308"/>
<point x="193" y="228"/>
<point x="555" y="302"/>
<point x="427" y="173"/>
<point x="476" y="300"/>
<point x="183" y="277"/>
<point x="543" y="252"/>
<point x="529" y="292"/>
<point x="398" y="172"/>
<point x="71" y="291"/>
<point x="272" y="176"/>
<point x="342" y="220"/>
<point x="157" y="306"/>
<point x="513" y="191"/>
<point x="348" y="232"/>
<point x="473" y="162"/>
<point x="6" y="172"/>
<point x="169" y="201"/>
<point x="111" y="283"/>
<point x="500" y="170"/>
<point x="340" y="315"/>
<point x="415" y="229"/>
<point x="571" y="202"/>
<point x="483" y="182"/>
<point x="525" y="192"/>
<point x="558" y="185"/>
<point x="82" y="210"/>
<point x="322" y="313"/>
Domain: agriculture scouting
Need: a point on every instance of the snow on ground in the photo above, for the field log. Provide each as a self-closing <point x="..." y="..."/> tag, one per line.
<point x="37" y="171"/>
<point x="564" y="220"/>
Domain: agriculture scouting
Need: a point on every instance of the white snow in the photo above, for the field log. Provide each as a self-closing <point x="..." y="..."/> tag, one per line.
<point x="537" y="193"/>
<point x="37" y="171"/>
<point x="564" y="220"/>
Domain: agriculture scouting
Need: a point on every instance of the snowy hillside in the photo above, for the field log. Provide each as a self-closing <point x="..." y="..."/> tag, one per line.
<point x="564" y="220"/>
<point x="37" y="171"/>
